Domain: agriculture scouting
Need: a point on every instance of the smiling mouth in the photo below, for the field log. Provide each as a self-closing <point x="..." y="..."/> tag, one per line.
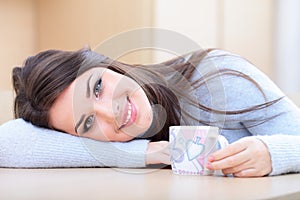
<point x="129" y="114"/>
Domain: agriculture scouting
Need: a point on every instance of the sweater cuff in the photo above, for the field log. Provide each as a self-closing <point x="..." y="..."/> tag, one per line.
<point x="83" y="152"/>
<point x="130" y="154"/>
<point x="284" y="151"/>
<point x="23" y="145"/>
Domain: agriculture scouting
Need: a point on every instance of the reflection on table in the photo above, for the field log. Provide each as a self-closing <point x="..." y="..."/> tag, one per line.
<point x="111" y="183"/>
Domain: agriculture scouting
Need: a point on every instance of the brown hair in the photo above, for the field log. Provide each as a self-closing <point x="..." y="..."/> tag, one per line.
<point x="42" y="79"/>
<point x="44" y="76"/>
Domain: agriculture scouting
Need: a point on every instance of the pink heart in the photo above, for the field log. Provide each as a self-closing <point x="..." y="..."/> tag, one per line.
<point x="193" y="149"/>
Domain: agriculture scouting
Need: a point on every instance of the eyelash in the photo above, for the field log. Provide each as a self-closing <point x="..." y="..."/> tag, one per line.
<point x="88" y="123"/>
<point x="98" y="88"/>
<point x="91" y="119"/>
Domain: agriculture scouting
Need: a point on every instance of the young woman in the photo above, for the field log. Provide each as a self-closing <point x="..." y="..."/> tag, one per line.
<point x="89" y="95"/>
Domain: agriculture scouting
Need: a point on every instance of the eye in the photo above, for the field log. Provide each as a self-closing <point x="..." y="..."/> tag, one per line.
<point x="89" y="123"/>
<point x="98" y="88"/>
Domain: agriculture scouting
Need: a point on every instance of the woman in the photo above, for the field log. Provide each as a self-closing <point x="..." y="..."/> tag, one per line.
<point x="89" y="95"/>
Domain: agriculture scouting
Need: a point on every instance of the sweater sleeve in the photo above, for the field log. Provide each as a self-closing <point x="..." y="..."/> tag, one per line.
<point x="277" y="125"/>
<point x="281" y="135"/>
<point x="23" y="145"/>
<point x="284" y="151"/>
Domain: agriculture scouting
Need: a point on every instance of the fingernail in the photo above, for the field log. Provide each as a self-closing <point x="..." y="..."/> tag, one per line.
<point x="209" y="166"/>
<point x="211" y="159"/>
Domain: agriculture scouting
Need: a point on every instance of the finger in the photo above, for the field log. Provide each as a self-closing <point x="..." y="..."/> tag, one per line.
<point x="230" y="162"/>
<point x="166" y="148"/>
<point x="227" y="151"/>
<point x="165" y="159"/>
<point x="164" y="152"/>
<point x="236" y="169"/>
<point x="250" y="172"/>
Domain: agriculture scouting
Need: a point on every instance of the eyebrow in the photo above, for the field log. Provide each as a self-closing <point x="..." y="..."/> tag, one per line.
<point x="88" y="95"/>
<point x="79" y="123"/>
<point x="88" y="89"/>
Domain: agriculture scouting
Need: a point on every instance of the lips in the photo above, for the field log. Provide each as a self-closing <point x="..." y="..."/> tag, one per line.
<point x="129" y="114"/>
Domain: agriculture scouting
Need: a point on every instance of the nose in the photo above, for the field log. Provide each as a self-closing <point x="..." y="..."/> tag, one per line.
<point x="107" y="110"/>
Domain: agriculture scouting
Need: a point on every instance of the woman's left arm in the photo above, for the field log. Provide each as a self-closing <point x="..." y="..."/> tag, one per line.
<point x="274" y="147"/>
<point x="281" y="136"/>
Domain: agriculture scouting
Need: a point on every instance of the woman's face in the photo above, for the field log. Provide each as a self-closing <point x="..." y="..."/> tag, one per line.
<point x="102" y="105"/>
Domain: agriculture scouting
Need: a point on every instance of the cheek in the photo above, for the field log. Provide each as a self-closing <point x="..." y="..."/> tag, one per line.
<point x="106" y="132"/>
<point x="124" y="83"/>
<point x="103" y="131"/>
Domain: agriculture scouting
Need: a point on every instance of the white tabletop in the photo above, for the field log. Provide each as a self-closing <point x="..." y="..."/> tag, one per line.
<point x="108" y="183"/>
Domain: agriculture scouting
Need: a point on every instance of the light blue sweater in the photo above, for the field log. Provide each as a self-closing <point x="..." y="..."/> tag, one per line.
<point x="25" y="145"/>
<point x="281" y="134"/>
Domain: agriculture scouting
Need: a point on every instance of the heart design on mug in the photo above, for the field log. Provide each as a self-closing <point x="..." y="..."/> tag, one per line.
<point x="193" y="149"/>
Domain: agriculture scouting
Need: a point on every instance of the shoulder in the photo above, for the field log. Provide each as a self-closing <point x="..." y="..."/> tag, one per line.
<point x="239" y="73"/>
<point x="235" y="80"/>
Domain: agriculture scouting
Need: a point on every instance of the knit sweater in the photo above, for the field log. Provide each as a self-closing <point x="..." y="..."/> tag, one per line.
<point x="278" y="125"/>
<point x="23" y="145"/>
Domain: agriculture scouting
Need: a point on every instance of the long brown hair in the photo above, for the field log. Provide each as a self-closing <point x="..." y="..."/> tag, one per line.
<point x="44" y="76"/>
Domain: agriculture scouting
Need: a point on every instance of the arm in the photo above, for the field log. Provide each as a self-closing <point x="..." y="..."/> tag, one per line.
<point x="284" y="151"/>
<point x="276" y="142"/>
<point x="23" y="145"/>
<point x="281" y="135"/>
<point x="266" y="150"/>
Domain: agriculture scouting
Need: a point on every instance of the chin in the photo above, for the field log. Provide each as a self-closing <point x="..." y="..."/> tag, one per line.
<point x="127" y="138"/>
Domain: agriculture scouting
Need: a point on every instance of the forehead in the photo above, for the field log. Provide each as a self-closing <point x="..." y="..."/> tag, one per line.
<point x="86" y="74"/>
<point x="61" y="112"/>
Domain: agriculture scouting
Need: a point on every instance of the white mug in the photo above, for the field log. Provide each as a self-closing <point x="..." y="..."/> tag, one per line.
<point x="190" y="147"/>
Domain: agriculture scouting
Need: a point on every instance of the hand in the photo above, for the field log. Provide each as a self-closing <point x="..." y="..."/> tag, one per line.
<point x="247" y="157"/>
<point x="158" y="153"/>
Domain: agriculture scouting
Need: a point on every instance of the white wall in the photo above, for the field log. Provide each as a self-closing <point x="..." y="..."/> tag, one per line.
<point x="244" y="27"/>
<point x="248" y="29"/>
<point x="196" y="20"/>
<point x="288" y="45"/>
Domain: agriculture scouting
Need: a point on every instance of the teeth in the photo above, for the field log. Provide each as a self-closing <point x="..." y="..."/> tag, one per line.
<point x="128" y="113"/>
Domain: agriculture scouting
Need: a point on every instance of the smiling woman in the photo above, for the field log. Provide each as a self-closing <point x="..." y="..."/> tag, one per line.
<point x="73" y="91"/>
<point x="86" y="94"/>
<point x="107" y="106"/>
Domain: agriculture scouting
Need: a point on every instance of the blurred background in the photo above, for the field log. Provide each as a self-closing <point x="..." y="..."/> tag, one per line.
<point x="266" y="32"/>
